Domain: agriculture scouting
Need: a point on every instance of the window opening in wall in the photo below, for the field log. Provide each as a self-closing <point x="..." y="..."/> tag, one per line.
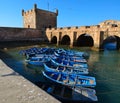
<point x="50" y="26"/>
<point x="28" y="26"/>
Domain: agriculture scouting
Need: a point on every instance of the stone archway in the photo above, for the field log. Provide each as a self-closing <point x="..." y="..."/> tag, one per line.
<point x="54" y="40"/>
<point x="118" y="42"/>
<point x="65" y="40"/>
<point x="84" y="40"/>
<point x="111" y="43"/>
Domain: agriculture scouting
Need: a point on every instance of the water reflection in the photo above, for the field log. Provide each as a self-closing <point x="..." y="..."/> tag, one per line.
<point x="105" y="66"/>
<point x="107" y="72"/>
<point x="12" y="59"/>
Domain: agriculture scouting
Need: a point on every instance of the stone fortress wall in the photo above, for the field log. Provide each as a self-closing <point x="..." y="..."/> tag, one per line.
<point x="39" y="19"/>
<point x="42" y="25"/>
<point x="35" y="22"/>
<point x="19" y="34"/>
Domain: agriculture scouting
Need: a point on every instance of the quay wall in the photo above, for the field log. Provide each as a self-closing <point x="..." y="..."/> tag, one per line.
<point x="14" y="88"/>
<point x="21" y="34"/>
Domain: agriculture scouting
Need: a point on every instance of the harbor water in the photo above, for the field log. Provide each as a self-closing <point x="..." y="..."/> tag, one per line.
<point x="104" y="66"/>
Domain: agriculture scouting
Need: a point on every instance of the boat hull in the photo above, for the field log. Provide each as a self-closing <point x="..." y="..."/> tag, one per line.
<point x="65" y="69"/>
<point x="69" y="95"/>
<point x="70" y="79"/>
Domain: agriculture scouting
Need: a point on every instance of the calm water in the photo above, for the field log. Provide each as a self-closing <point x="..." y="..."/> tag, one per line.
<point x="105" y="66"/>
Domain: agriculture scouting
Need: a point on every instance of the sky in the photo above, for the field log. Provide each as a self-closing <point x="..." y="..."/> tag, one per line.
<point x="71" y="12"/>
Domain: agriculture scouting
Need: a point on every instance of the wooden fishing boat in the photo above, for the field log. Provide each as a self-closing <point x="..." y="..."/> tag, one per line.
<point x="38" y="61"/>
<point x="69" y="95"/>
<point x="110" y="46"/>
<point x="65" y="69"/>
<point x="59" y="62"/>
<point x="72" y="53"/>
<point x="71" y="58"/>
<point x="28" y="53"/>
<point x="69" y="79"/>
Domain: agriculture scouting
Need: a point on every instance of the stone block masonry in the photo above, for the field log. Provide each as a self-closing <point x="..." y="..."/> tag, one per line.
<point x="14" y="37"/>
<point x="16" y="89"/>
<point x="20" y="34"/>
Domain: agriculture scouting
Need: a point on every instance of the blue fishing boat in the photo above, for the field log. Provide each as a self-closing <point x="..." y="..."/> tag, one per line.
<point x="28" y="53"/>
<point x="59" y="62"/>
<point x="70" y="79"/>
<point x="38" y="61"/>
<point x="72" y="53"/>
<point x="66" y="94"/>
<point x="71" y="58"/>
<point x="110" y="46"/>
<point x="65" y="69"/>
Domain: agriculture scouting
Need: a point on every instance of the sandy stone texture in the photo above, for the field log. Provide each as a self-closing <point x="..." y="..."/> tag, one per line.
<point x="16" y="89"/>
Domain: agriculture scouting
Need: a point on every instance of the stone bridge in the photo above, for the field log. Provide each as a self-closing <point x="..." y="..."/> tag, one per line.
<point x="90" y="36"/>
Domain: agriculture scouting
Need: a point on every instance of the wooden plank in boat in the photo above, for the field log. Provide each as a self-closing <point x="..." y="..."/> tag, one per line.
<point x="66" y="80"/>
<point x="59" y="76"/>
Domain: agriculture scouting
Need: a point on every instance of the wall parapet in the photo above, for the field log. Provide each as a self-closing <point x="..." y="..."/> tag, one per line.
<point x="16" y="34"/>
<point x="28" y="12"/>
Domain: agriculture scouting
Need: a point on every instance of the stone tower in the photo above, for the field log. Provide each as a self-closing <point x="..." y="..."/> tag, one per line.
<point x="39" y="19"/>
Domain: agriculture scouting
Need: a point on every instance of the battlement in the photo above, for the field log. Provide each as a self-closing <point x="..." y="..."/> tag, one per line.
<point x="45" y="12"/>
<point x="75" y="28"/>
<point x="29" y="11"/>
<point x="24" y="13"/>
<point x="40" y="19"/>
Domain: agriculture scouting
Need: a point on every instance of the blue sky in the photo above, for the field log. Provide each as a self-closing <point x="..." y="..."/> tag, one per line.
<point x="71" y="12"/>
